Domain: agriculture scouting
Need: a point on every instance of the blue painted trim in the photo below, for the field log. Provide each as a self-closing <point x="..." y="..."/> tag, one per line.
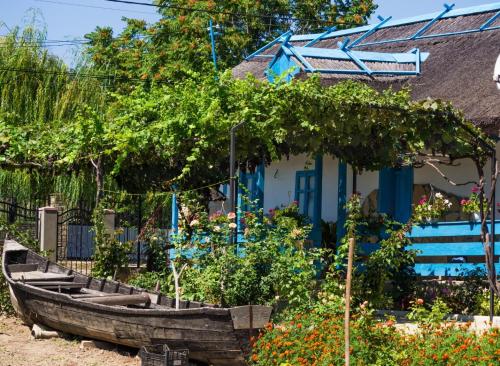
<point x="175" y="215"/>
<point x="421" y="18"/>
<point x="212" y="41"/>
<point x="403" y="194"/>
<point x="371" y="31"/>
<point x="447" y="9"/>
<point x="451" y="229"/>
<point x="358" y="62"/>
<point x="260" y="185"/>
<point x="305" y="190"/>
<point x="386" y="189"/>
<point x="490" y="21"/>
<point x="269" y="45"/>
<point x="342" y="200"/>
<point x="445" y="249"/>
<point x="307" y="65"/>
<point x="320" y="37"/>
<point x="447" y="269"/>
<point x="318" y="197"/>
<point x="337" y="54"/>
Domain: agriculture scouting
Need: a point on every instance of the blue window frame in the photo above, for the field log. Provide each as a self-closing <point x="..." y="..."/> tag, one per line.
<point x="251" y="185"/>
<point x="305" y="192"/>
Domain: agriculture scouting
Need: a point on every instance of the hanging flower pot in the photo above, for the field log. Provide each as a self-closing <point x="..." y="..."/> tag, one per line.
<point x="475" y="217"/>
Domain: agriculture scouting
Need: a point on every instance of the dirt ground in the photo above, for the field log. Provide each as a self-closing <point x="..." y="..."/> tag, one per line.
<point x="19" y="348"/>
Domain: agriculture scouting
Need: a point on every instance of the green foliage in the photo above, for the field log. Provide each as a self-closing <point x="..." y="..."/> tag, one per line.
<point x="110" y="255"/>
<point x="382" y="277"/>
<point x="428" y="318"/>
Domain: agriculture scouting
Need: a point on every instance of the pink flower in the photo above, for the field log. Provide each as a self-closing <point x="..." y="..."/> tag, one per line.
<point x="231" y="216"/>
<point x="420" y="302"/>
<point x="233" y="225"/>
<point x="464" y="202"/>
<point x="423" y="200"/>
<point x="295" y="203"/>
<point x="475" y="189"/>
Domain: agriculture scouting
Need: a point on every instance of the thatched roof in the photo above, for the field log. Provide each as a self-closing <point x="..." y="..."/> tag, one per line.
<point x="459" y="67"/>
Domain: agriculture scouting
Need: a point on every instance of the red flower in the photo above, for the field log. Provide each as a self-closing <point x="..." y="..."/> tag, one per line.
<point x="475" y="189"/>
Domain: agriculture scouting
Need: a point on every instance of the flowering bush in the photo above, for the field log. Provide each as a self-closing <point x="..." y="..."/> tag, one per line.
<point x="431" y="208"/>
<point x="471" y="205"/>
<point x="274" y="264"/>
<point x="318" y="339"/>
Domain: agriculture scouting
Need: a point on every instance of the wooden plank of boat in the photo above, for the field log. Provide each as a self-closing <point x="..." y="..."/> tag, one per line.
<point x="40" y="276"/>
<point x="250" y="316"/>
<point x="120" y="300"/>
<point x="12" y="268"/>
<point x="93" y="295"/>
<point x="56" y="284"/>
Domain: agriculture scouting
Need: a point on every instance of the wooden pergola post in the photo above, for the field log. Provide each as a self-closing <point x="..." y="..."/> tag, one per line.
<point x="347" y="316"/>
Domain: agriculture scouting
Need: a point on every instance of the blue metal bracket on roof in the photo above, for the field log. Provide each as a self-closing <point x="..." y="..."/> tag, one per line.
<point x="371" y="31"/>
<point x="489" y="22"/>
<point x="357" y="57"/>
<point x="320" y="37"/>
<point x="285" y="36"/>
<point x="447" y="9"/>
<point x="308" y="67"/>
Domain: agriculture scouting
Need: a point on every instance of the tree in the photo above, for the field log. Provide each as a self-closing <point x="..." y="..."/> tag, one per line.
<point x="178" y="43"/>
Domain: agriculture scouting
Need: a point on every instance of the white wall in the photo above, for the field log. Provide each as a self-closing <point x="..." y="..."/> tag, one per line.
<point x="280" y="181"/>
<point x="279" y="186"/>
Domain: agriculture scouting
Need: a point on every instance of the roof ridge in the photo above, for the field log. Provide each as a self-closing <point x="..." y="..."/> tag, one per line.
<point x="478" y="9"/>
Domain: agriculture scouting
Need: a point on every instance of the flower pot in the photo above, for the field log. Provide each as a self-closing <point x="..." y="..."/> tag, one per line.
<point x="475" y="217"/>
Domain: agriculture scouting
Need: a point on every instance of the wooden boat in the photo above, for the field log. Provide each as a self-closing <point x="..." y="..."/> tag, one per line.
<point x="46" y="293"/>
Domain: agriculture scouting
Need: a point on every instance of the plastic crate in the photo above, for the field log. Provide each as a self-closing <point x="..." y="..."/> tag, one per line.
<point x="161" y="355"/>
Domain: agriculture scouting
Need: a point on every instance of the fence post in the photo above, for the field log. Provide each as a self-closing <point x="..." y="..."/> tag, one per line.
<point x="109" y="222"/>
<point x="48" y="231"/>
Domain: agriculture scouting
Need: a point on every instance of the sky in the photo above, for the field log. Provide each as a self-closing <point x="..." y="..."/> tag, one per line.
<point x="71" y="19"/>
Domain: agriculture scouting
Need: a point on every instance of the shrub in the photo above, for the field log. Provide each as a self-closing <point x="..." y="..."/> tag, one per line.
<point x="274" y="264"/>
<point x="316" y="338"/>
<point x="110" y="255"/>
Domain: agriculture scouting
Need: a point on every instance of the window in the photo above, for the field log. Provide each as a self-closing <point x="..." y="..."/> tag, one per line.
<point x="305" y="190"/>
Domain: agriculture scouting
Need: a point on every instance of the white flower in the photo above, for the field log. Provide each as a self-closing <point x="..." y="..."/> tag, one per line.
<point x="439" y="195"/>
<point x="194" y="223"/>
<point x="217" y="228"/>
<point x="232" y="225"/>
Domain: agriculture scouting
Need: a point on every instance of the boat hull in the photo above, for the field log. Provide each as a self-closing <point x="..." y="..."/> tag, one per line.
<point x="213" y="336"/>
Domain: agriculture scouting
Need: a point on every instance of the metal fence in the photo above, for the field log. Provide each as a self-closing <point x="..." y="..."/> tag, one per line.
<point x="75" y="235"/>
<point x="25" y="217"/>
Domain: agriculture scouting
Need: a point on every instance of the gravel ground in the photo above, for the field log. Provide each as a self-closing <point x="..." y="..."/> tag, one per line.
<point x="19" y="348"/>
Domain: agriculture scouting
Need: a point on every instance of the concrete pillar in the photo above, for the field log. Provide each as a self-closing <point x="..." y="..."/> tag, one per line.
<point x="109" y="222"/>
<point x="48" y="231"/>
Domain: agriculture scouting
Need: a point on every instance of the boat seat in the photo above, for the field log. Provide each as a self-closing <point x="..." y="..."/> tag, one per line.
<point x="12" y="268"/>
<point x="40" y="276"/>
<point x="49" y="285"/>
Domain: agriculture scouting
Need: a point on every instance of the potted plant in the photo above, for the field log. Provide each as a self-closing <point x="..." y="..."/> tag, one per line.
<point x="431" y="209"/>
<point x="470" y="205"/>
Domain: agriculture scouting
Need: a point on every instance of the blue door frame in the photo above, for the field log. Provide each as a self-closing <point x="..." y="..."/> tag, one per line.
<point x="310" y="183"/>
<point x="395" y="195"/>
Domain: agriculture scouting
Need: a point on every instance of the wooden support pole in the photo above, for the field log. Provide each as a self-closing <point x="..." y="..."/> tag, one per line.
<point x="347" y="316"/>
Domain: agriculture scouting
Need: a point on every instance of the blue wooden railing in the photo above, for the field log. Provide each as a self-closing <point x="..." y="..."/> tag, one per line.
<point x="446" y="248"/>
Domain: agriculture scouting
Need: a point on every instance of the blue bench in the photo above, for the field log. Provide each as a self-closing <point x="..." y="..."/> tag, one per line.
<point x="446" y="249"/>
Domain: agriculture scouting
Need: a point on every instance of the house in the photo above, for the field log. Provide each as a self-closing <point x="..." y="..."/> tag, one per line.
<point x="448" y="55"/>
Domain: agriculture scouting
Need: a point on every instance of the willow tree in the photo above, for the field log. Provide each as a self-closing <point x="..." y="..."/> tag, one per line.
<point x="39" y="95"/>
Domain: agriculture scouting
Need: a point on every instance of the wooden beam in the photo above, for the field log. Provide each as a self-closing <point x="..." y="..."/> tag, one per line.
<point x="120" y="300"/>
